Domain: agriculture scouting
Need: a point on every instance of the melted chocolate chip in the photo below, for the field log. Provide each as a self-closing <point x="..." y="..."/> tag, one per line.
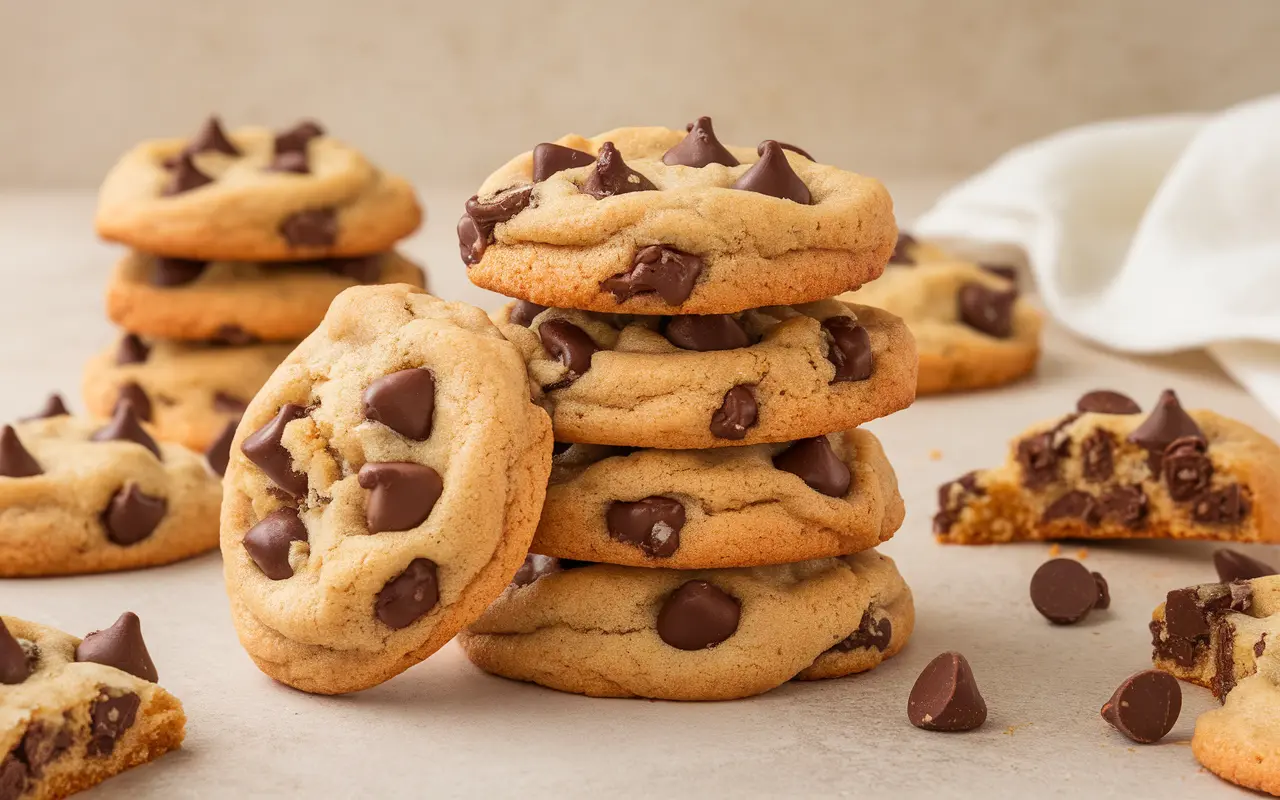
<point x="475" y="229"/>
<point x="1097" y="456"/>
<point x="211" y="139"/>
<point x="568" y="344"/>
<point x="1232" y="565"/>
<point x="523" y="313"/>
<point x="120" y="646"/>
<point x="951" y="499"/>
<point x="1168" y="421"/>
<point x="548" y="159"/>
<point x="219" y="453"/>
<point x="268" y="543"/>
<point x="316" y="227"/>
<point x="652" y="524"/>
<point x="132" y="515"/>
<point x="1063" y="591"/>
<point x="697" y="616"/>
<point x="849" y="350"/>
<point x="612" y="176"/>
<point x="125" y="427"/>
<point x="15" y="460"/>
<point x="410" y="595"/>
<point x="1187" y="470"/>
<point x="232" y="336"/>
<point x="699" y="148"/>
<point x="401" y="494"/>
<point x="404" y="401"/>
<point x="945" y="697"/>
<point x="15" y="662"/>
<point x="40" y="745"/>
<point x="472" y="240"/>
<point x="773" y="175"/>
<point x="53" y="407"/>
<point x="175" y="271"/>
<point x="535" y="567"/>
<point x="817" y="465"/>
<point x="133" y="394"/>
<point x="902" y="249"/>
<point x="1075" y="504"/>
<point x="706" y="332"/>
<point x="264" y="448"/>
<point x="132" y="350"/>
<point x="185" y="177"/>
<point x="1126" y="505"/>
<point x="871" y="633"/>
<point x="988" y="311"/>
<point x="737" y="412"/>
<point x="362" y="269"/>
<point x="293" y="161"/>
<point x="657" y="268"/>
<point x="1145" y="707"/>
<point x="296" y="139"/>
<point x="1225" y="506"/>
<point x="1105" y="401"/>
<point x="109" y="718"/>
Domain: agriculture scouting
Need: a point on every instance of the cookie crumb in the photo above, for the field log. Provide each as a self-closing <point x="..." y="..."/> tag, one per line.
<point x="935" y="455"/>
<point x="1055" y="550"/>
<point x="1082" y="553"/>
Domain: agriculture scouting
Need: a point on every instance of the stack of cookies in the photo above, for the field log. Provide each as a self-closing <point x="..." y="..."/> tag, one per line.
<point x="709" y="526"/>
<point x="239" y="242"/>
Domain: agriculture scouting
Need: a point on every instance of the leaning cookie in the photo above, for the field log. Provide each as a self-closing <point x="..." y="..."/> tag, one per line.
<point x="727" y="507"/>
<point x="383" y="488"/>
<point x="610" y="631"/>
<point x="254" y="195"/>
<point x="765" y="375"/>
<point x="1240" y="742"/>
<point x="658" y="221"/>
<point x="170" y="298"/>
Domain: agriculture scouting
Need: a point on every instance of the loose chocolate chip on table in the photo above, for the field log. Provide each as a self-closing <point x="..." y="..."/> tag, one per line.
<point x="568" y="344"/>
<point x="1145" y="707"/>
<point x="404" y="401"/>
<point x="472" y="240"/>
<point x="773" y="175"/>
<point x="945" y="697"/>
<point x="109" y="718"/>
<point x="120" y="646"/>
<point x="523" y="313"/>
<point x="1097" y="456"/>
<point x="185" y="177"/>
<point x="15" y="460"/>
<point x="793" y="148"/>
<point x="175" y="271"/>
<point x="1232" y="565"/>
<point x="901" y="250"/>
<point x="1104" y="592"/>
<point x="219" y="453"/>
<point x="133" y="394"/>
<point x="986" y="310"/>
<point x="871" y="633"/>
<point x="1039" y="460"/>
<point x="361" y="269"/>
<point x="125" y="427"/>
<point x="263" y="448"/>
<point x="657" y="268"/>
<point x="1105" y="401"/>
<point x="850" y="349"/>
<point x="737" y="412"/>
<point x="317" y="227"/>
<point x="534" y="567"/>
<point x="211" y="139"/>
<point x="132" y="350"/>
<point x="268" y="542"/>
<point x="706" y="332"/>
<point x="1187" y="470"/>
<point x="612" y="176"/>
<point x="699" y="148"/>
<point x="1167" y="422"/>
<point x="1006" y="271"/>
<point x="817" y="465"/>
<point x="226" y="404"/>
<point x="697" y="616"/>
<point x="1063" y="591"/>
<point x="15" y="664"/>
<point x="295" y="139"/>
<point x="409" y="595"/>
<point x="232" y="336"/>
<point x="1075" y="504"/>
<point x="1126" y="505"/>
<point x="53" y="407"/>
<point x="652" y="524"/>
<point x="548" y="159"/>
<point x="292" y="161"/>
<point x="401" y="494"/>
<point x="1225" y="506"/>
<point x="132" y="515"/>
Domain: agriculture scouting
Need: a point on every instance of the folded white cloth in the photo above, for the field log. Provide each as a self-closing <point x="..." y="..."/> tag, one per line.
<point x="1147" y="235"/>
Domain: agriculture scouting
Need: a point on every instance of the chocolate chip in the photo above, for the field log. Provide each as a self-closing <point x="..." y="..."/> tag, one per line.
<point x="1126" y="505"/>
<point x="1145" y="707"/>
<point x="1224" y="672"/>
<point x="548" y="159"/>
<point x="699" y="148"/>
<point x="1180" y="651"/>
<point x="523" y="312"/>
<point x="401" y="494"/>
<point x="185" y="177"/>
<point x="175" y="271"/>
<point x="501" y="209"/>
<point x="773" y="175"/>
<point x="988" y="311"/>
<point x="1168" y="421"/>
<point x="296" y="139"/>
<point x="404" y="401"/>
<point x="263" y="447"/>
<point x="211" y="139"/>
<point x="293" y="161"/>
<point x="233" y="336"/>
<point x="1105" y="401"/>
<point x="13" y="778"/>
<point x="945" y="697"/>
<point x="1186" y="468"/>
<point x="612" y="176"/>
<point x="132" y="350"/>
<point x="317" y="227"/>
<point x="53" y="407"/>
<point x="133" y="394"/>
<point x="15" y="460"/>
<point x="568" y="344"/>
<point x="737" y="412"/>
<point x="1074" y="504"/>
<point x="120" y="646"/>
<point x="361" y="269"/>
<point x="1232" y="565"/>
<point x="657" y="268"/>
<point x="849" y="350"/>
<point x="871" y="633"/>
<point x="796" y="149"/>
<point x="109" y="718"/>
<point x="41" y="744"/>
<point x="408" y="596"/>
<point x="697" y="616"/>
<point x="817" y="465"/>
<point x="1038" y="458"/>
<point x="706" y="332"/>
<point x="472" y="240"/>
<point x="226" y="404"/>
<point x="902" y="249"/>
<point x="1185" y="615"/>
<point x="652" y="524"/>
<point x="951" y="498"/>
<point x="131" y="515"/>
<point x="1006" y="271"/>
<point x="15" y="663"/>
<point x="219" y="453"/>
<point x="125" y="427"/>
<point x="1225" y="506"/>
<point x="1097" y="456"/>
<point x="1260" y="646"/>
<point x="535" y="567"/>
<point x="1104" y="592"/>
<point x="1063" y="591"/>
<point x="268" y="542"/>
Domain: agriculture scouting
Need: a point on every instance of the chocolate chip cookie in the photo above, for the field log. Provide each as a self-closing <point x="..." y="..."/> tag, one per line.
<point x="611" y="631"/>
<point x="727" y="507"/>
<point x="765" y="375"/>
<point x="76" y="712"/>
<point x="383" y="488"/>
<point x="173" y="298"/>
<point x="254" y="195"/>
<point x="1109" y="471"/>
<point x="658" y="221"/>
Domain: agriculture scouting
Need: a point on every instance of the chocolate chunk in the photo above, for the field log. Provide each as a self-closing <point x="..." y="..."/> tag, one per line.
<point x="945" y="697"/>
<point x="1186" y="468"/>
<point x="1225" y="506"/>
<point x="1171" y="648"/>
<point x="211" y="139"/>
<point x="362" y="269"/>
<point x="404" y="401"/>
<point x="706" y="332"/>
<point x="548" y="159"/>
<point x="871" y="633"/>
<point x="816" y="464"/>
<point x="132" y="350"/>
<point x="773" y="175"/>
<point x="1224" y="672"/>
<point x="41" y="744"/>
<point x="1105" y="401"/>
<point x="902" y="249"/>
<point x="109" y="718"/>
<point x="737" y="412"/>
<point x="15" y="663"/>
<point x="296" y="139"/>
<point x="657" y="268"/>
<point x="1097" y="456"/>
<point x="293" y="161"/>
<point x="1039" y="460"/>
<point x="699" y="148"/>
<point x="53" y="407"/>
<point x="1063" y="591"/>
<point x="133" y="394"/>
<point x="849" y="350"/>
<point x="316" y="227"/>
<point x="652" y="524"/>
<point x="1186" y="616"/>
<point x="185" y="177"/>
<point x="125" y="427"/>
<point x="1145" y="707"/>
<point x="409" y="595"/>
<point x="268" y="543"/>
<point x="1126" y="505"/>
<point x="523" y="313"/>
<point x="131" y="515"/>
<point x="793" y="148"/>
<point x="120" y="646"/>
<point x="951" y="498"/>
<point x="697" y="616"/>
<point x="472" y="240"/>
<point x="612" y="176"/>
<point x="232" y="336"/>
<point x="1232" y="565"/>
<point x="1104" y="592"/>
<point x="401" y="494"/>
<point x="988" y="311"/>
<point x="1168" y="421"/>
<point x="535" y="567"/>
<point x="568" y="344"/>
<point x="219" y="453"/>
<point x="1075" y="504"/>
<point x="15" y="460"/>
<point x="1006" y="271"/>
<point x="263" y="447"/>
<point x="175" y="271"/>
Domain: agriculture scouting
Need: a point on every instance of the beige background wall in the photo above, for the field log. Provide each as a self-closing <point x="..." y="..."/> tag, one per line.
<point x="445" y="91"/>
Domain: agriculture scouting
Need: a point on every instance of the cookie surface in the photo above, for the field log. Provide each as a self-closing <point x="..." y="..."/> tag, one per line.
<point x="1114" y="472"/>
<point x="616" y="228"/>
<point x="1240" y="742"/>
<point x="273" y="301"/>
<point x="383" y="487"/>
<point x="254" y="195"/>
<point x="790" y="373"/>
<point x="610" y="631"/>
<point x="70" y="504"/>
<point x="727" y="507"/>
<point x="191" y="390"/>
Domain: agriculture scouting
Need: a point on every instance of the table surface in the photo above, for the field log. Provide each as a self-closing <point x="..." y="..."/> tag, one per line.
<point x="446" y="729"/>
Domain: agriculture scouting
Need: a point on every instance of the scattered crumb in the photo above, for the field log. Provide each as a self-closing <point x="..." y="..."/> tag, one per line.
<point x="1054" y="550"/>
<point x="1082" y="553"/>
<point x="935" y="455"/>
<point x="1009" y="730"/>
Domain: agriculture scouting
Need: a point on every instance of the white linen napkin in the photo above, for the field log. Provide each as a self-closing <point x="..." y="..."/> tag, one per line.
<point x="1147" y="235"/>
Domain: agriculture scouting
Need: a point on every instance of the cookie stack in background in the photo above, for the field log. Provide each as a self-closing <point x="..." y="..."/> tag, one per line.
<point x="238" y="243"/>
<point x="709" y="526"/>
